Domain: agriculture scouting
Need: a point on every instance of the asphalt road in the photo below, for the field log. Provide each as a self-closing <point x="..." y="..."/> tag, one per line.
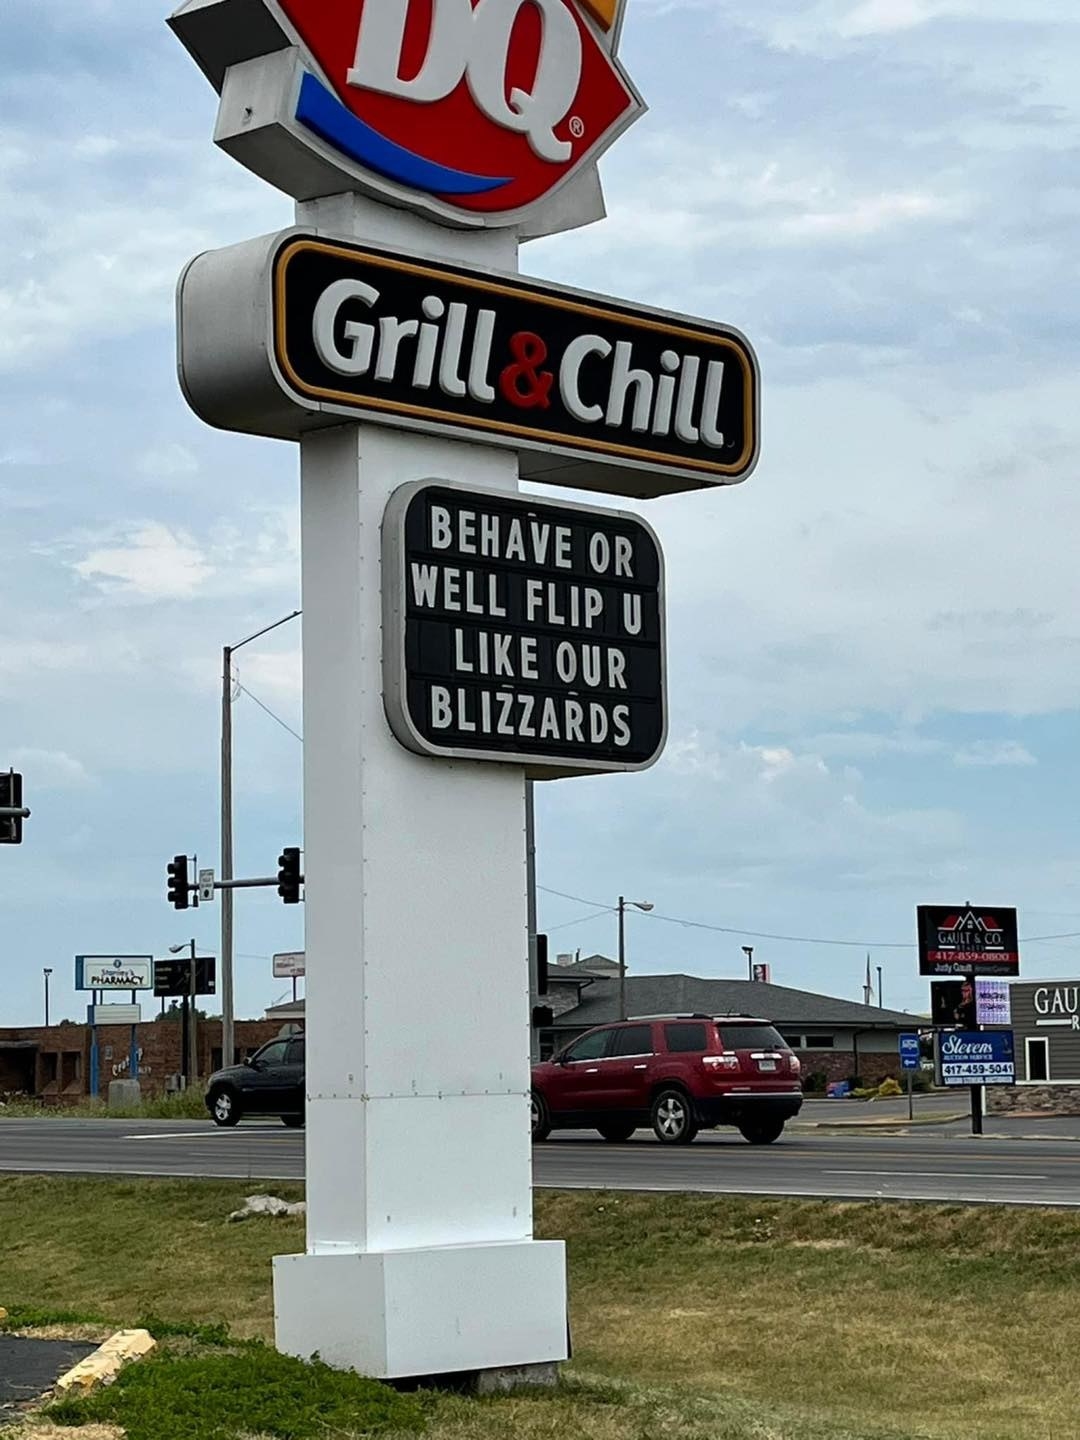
<point x="931" y="1164"/>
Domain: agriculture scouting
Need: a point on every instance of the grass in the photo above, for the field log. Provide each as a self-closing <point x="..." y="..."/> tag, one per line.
<point x="694" y="1317"/>
<point x="187" y="1105"/>
<point x="257" y="1392"/>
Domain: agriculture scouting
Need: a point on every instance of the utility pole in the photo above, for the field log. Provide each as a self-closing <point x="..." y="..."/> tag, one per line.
<point x="530" y="882"/>
<point x="880" y="996"/>
<point x="193" y="1025"/>
<point x="228" y="1004"/>
<point x="622" y="957"/>
<point x="748" y="951"/>
<point x="228" y="1009"/>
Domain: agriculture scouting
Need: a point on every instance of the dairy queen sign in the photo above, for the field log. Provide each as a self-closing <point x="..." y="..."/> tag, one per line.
<point x="459" y="636"/>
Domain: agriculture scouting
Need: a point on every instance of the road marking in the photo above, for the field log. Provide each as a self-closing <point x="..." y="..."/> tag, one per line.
<point x="212" y="1134"/>
<point x="940" y="1174"/>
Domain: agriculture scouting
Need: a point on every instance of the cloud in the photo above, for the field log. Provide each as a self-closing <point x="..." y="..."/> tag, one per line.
<point x="994" y="753"/>
<point x="167" y="463"/>
<point x="50" y="770"/>
<point x="154" y="563"/>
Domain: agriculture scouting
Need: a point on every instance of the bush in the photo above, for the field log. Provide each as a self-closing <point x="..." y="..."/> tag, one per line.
<point x="815" y="1083"/>
<point x="888" y="1088"/>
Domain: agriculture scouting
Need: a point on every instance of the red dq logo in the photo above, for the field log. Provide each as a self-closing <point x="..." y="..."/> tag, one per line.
<point x="477" y="107"/>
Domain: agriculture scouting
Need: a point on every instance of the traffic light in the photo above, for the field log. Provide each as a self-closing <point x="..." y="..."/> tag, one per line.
<point x="289" y="878"/>
<point x="11" y="799"/>
<point x="177" y="892"/>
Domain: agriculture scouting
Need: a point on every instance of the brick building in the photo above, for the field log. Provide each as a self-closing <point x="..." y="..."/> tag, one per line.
<point x="835" y="1039"/>
<point x="53" y="1063"/>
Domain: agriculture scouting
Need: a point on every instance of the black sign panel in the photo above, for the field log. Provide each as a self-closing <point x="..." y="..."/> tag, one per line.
<point x="11" y="826"/>
<point x="952" y="1002"/>
<point x="172" y="978"/>
<point x="419" y="343"/>
<point x="968" y="940"/>
<point x="522" y="630"/>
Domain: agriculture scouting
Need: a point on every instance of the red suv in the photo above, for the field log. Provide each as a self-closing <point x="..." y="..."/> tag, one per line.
<point x="677" y="1073"/>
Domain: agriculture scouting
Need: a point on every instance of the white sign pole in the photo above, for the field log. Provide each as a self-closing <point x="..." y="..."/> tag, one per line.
<point x="420" y="1258"/>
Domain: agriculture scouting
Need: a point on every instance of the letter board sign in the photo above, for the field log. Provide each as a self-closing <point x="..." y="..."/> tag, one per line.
<point x="971" y="1058"/>
<point x="522" y="630"/>
<point x="595" y="393"/>
<point x="969" y="940"/>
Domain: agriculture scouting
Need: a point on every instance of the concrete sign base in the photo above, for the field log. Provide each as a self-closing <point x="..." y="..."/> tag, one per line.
<point x="420" y="1258"/>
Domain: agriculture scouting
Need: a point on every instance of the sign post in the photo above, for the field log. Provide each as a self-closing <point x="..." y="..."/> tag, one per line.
<point x="459" y="639"/>
<point x="910" y="1061"/>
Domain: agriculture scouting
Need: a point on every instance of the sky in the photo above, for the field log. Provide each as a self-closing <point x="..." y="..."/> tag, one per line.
<point x="874" y="641"/>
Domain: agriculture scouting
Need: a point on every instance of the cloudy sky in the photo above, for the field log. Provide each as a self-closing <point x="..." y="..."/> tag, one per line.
<point x="875" y="642"/>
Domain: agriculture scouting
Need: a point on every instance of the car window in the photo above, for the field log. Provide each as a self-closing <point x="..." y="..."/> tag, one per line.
<point x="590" y="1047"/>
<point x="296" y="1051"/>
<point x="632" y="1040"/>
<point x="750" y="1037"/>
<point x="684" y="1038"/>
<point x="273" y="1054"/>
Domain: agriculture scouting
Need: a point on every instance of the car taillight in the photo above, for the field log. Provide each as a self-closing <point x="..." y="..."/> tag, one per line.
<point x="720" y="1062"/>
<point x="796" y="1064"/>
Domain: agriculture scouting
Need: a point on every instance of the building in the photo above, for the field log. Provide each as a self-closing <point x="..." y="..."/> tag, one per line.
<point x="52" y="1064"/>
<point x="835" y="1039"/>
<point x="1046" y="1033"/>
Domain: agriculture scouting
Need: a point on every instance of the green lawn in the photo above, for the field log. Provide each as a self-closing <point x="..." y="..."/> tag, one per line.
<point x="695" y="1317"/>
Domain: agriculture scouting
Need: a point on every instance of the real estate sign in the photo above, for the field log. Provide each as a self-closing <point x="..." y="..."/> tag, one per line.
<point x="977" y="940"/>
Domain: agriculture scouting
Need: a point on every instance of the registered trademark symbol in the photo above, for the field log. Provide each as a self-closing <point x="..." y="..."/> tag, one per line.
<point x="577" y="127"/>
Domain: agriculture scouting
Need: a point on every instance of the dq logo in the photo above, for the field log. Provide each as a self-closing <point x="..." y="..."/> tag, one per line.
<point x="480" y="107"/>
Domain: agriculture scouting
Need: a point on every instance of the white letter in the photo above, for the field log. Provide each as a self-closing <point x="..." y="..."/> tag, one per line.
<point x="622" y="379"/>
<point x="442" y="717"/>
<point x="710" y="413"/>
<point x="425" y="578"/>
<point x="442" y="534"/>
<point x="532" y="113"/>
<point x="621" y="716"/>
<point x="327" y="310"/>
<point x="381" y="41"/>
<point x="570" y="375"/>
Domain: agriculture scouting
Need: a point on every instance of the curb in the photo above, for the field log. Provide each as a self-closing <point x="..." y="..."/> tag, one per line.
<point x="105" y="1364"/>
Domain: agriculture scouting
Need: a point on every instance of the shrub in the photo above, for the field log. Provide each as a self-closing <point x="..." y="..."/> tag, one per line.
<point x="889" y="1087"/>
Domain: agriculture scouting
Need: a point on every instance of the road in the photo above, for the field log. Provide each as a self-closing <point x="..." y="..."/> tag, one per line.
<point x="937" y="1163"/>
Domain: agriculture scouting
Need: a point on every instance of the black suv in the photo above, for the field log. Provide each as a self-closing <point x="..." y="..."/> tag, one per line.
<point x="270" y="1083"/>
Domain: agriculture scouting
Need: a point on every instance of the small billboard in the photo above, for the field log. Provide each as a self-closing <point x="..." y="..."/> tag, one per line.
<point x="290" y="965"/>
<point x="114" y="972"/>
<point x="974" y="1058"/>
<point x="956" y="940"/>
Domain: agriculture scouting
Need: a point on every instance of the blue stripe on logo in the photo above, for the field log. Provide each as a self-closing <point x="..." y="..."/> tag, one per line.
<point x="323" y="114"/>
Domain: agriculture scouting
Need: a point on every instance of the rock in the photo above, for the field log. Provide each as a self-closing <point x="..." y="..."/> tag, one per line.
<point x="256" y="1205"/>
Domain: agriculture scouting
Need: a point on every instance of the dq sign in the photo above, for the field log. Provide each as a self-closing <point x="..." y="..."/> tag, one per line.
<point x="475" y="109"/>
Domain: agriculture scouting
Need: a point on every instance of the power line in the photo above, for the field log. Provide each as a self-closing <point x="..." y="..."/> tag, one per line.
<point x="607" y="910"/>
<point x="788" y="939"/>
<point x="276" y="718"/>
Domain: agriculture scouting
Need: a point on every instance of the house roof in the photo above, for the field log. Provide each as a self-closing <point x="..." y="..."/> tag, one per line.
<point x="681" y="994"/>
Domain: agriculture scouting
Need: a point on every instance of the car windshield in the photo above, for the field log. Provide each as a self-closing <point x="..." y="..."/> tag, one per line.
<point x="750" y="1037"/>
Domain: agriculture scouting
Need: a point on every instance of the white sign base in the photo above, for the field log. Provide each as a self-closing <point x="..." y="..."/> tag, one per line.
<point x="420" y="1258"/>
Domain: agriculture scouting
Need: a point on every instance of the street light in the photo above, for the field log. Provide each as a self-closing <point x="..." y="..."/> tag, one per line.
<point x="748" y="951"/>
<point x="189" y="1040"/>
<point x="46" y="972"/>
<point x="645" y="905"/>
<point x="228" y="1017"/>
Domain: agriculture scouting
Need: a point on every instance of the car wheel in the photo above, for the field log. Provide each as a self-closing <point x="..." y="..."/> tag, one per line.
<point x="617" y="1130"/>
<point x="673" y="1118"/>
<point x="293" y="1122"/>
<point x="224" y="1108"/>
<point x="541" y="1118"/>
<point x="761" y="1132"/>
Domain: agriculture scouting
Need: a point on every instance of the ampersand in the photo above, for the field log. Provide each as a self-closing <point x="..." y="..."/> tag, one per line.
<point x="524" y="384"/>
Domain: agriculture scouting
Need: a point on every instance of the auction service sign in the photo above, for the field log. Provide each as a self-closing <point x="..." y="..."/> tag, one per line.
<point x="522" y="631"/>
<point x="968" y="940"/>
<point x="971" y="1058"/>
